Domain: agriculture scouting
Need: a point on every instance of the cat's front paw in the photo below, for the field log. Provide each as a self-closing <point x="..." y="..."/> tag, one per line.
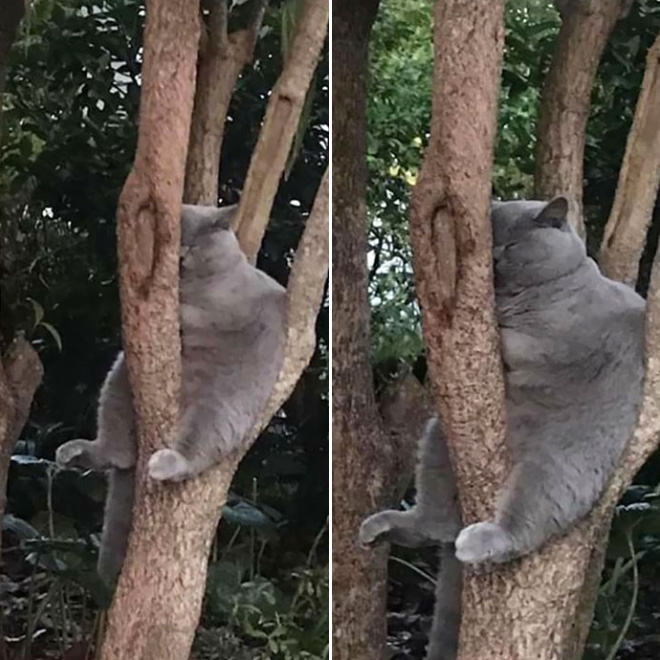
<point x="168" y="465"/>
<point x="483" y="542"/>
<point x="373" y="528"/>
<point x="75" y="453"/>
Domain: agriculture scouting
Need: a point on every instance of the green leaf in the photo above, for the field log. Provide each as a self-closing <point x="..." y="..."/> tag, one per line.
<point x="38" y="312"/>
<point x="54" y="333"/>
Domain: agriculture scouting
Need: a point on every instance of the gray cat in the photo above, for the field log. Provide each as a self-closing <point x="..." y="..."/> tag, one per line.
<point x="232" y="321"/>
<point x="573" y="346"/>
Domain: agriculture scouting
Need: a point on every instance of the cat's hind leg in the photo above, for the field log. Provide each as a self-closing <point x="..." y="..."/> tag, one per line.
<point x="435" y="518"/>
<point x="115" y="445"/>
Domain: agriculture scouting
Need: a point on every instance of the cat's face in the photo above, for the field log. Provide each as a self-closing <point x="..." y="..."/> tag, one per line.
<point x="207" y="243"/>
<point x="533" y="243"/>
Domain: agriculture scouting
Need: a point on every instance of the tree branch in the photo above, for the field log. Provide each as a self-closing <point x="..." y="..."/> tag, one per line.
<point x="361" y="451"/>
<point x="144" y="621"/>
<point x="452" y="249"/>
<point x="639" y="178"/>
<point x="221" y="60"/>
<point x="451" y="240"/>
<point x="279" y="127"/>
<point x="304" y="296"/>
<point x="566" y="100"/>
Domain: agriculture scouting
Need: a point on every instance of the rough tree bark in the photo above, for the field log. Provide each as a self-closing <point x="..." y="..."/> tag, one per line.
<point x="156" y="605"/>
<point x="566" y="99"/>
<point x="222" y="57"/>
<point x="451" y="242"/>
<point x="541" y="606"/>
<point x="359" y="445"/>
<point x="372" y="449"/>
<point x="637" y="190"/>
<point x="282" y="116"/>
<point x="159" y="594"/>
<point x="20" y="375"/>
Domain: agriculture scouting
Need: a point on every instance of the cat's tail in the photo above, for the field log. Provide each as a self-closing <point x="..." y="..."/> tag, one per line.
<point x="443" y="638"/>
<point x="116" y="524"/>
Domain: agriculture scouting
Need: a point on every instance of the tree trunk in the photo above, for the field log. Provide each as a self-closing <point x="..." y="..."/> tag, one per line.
<point x="637" y="190"/>
<point x="371" y="456"/>
<point x="20" y="375"/>
<point x="280" y="123"/>
<point x="566" y="99"/>
<point x="158" y="598"/>
<point x="451" y="241"/>
<point x="159" y="593"/>
<point x="222" y="57"/>
<point x="359" y="446"/>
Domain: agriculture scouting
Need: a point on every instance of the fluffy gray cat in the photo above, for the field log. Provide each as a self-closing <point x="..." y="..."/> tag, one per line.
<point x="573" y="346"/>
<point x="232" y="322"/>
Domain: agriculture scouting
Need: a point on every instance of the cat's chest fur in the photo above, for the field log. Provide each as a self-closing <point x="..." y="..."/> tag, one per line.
<point x="573" y="356"/>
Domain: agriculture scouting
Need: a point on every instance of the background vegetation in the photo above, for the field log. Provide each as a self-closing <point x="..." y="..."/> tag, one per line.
<point x="67" y="143"/>
<point x="628" y="610"/>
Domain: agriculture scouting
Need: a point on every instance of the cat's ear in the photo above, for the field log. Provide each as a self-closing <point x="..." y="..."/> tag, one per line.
<point x="196" y="219"/>
<point x="204" y="216"/>
<point x="224" y="217"/>
<point x="554" y="213"/>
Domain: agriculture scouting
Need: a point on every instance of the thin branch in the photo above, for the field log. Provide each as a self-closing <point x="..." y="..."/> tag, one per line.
<point x="221" y="59"/>
<point x="304" y="296"/>
<point x="279" y="127"/>
<point x="637" y="189"/>
<point x="566" y="99"/>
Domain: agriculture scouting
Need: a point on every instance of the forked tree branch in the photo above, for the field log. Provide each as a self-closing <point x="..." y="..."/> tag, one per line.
<point x="279" y="127"/>
<point x="222" y="57"/>
<point x="639" y="178"/>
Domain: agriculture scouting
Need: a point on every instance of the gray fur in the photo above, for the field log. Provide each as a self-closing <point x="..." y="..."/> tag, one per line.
<point x="573" y="347"/>
<point x="435" y="518"/>
<point x="232" y="322"/>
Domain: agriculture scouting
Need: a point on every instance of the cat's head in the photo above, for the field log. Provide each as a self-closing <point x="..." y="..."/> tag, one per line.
<point x="533" y="243"/>
<point x="208" y="245"/>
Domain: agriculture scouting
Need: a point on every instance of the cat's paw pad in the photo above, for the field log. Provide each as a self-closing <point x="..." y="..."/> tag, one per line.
<point x="168" y="465"/>
<point x="483" y="542"/>
<point x="372" y="528"/>
<point x="74" y="453"/>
